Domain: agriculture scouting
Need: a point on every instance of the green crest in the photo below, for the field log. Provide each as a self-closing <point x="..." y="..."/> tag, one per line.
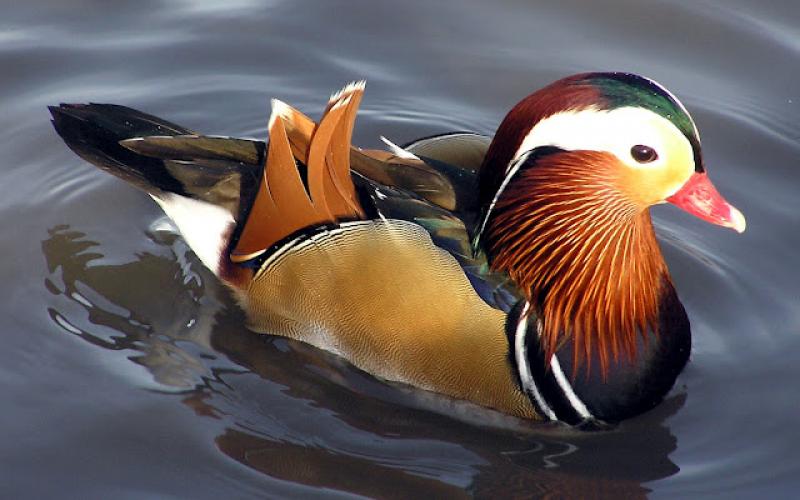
<point x="627" y="89"/>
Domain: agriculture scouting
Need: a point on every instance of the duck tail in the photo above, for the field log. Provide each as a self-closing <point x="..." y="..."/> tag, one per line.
<point x="202" y="183"/>
<point x="94" y="131"/>
<point x="160" y="157"/>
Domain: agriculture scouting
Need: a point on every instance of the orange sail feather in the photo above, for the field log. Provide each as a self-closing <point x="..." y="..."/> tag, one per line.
<point x="283" y="205"/>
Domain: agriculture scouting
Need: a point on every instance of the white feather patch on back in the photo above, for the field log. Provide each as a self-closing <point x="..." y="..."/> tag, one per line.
<point x="205" y="227"/>
<point x="398" y="151"/>
<point x="613" y="131"/>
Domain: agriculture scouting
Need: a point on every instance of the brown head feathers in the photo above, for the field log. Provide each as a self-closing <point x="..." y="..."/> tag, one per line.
<point x="582" y="252"/>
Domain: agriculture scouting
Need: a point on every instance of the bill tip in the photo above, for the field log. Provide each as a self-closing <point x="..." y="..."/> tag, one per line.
<point x="738" y="222"/>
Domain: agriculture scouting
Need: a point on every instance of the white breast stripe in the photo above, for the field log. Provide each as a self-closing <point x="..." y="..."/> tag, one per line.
<point x="523" y="367"/>
<point x="513" y="167"/>
<point x="398" y="151"/>
<point x="573" y="398"/>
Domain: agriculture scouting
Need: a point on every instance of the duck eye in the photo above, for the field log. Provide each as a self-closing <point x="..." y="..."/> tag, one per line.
<point x="643" y="154"/>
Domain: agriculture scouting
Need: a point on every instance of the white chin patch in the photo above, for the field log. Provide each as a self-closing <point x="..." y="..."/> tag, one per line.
<point x="204" y="226"/>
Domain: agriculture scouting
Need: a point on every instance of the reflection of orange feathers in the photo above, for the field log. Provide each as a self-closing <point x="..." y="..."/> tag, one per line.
<point x="283" y="206"/>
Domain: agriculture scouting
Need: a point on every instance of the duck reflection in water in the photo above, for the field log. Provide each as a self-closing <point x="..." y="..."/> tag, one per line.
<point x="300" y="414"/>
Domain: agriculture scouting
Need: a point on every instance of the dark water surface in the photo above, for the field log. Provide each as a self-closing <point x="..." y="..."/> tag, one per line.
<point x="126" y="370"/>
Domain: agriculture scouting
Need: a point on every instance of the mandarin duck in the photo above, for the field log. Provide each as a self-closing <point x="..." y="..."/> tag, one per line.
<point x="520" y="273"/>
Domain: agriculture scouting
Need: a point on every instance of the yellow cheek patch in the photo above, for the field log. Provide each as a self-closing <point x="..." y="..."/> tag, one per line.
<point x="650" y="184"/>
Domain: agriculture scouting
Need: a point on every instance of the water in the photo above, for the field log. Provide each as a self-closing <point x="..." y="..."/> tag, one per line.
<point x="125" y="368"/>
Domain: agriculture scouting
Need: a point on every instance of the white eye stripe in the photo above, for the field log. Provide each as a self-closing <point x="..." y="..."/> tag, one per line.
<point x="614" y="131"/>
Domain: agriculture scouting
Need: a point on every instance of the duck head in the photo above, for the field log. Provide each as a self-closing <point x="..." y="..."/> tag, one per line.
<point x="565" y="188"/>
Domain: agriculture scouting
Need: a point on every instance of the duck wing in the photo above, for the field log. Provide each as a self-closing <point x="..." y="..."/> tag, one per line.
<point x="448" y="232"/>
